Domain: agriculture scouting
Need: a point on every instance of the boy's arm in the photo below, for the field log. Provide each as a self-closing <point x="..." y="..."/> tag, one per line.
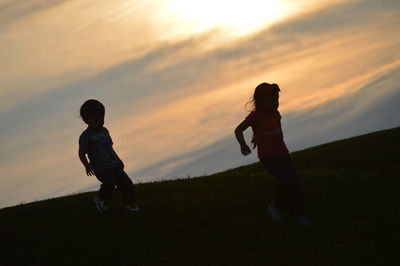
<point x="89" y="170"/>
<point x="123" y="166"/>
<point x="112" y="143"/>
<point x="239" y="136"/>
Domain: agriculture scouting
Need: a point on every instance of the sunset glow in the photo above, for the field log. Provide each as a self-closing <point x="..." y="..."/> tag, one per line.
<point x="239" y="16"/>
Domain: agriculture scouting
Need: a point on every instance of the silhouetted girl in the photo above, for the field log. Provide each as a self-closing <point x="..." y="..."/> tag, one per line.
<point x="265" y="121"/>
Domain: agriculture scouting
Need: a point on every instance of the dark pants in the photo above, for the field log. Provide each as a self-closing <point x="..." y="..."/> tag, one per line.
<point x="112" y="177"/>
<point x="290" y="194"/>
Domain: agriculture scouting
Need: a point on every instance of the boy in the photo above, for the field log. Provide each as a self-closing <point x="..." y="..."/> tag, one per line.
<point x="103" y="162"/>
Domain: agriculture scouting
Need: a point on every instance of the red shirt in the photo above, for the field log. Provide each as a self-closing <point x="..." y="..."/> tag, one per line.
<point x="267" y="131"/>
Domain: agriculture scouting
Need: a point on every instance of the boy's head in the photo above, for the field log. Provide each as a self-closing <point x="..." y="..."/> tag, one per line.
<point x="92" y="113"/>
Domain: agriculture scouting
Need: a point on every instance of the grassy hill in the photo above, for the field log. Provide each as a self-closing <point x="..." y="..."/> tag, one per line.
<point x="352" y="198"/>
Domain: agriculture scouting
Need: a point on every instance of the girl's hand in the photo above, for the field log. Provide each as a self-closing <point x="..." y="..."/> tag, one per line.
<point x="253" y="140"/>
<point x="245" y="150"/>
<point x="89" y="170"/>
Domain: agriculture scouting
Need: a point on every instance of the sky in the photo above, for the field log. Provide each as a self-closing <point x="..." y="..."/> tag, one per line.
<point x="175" y="76"/>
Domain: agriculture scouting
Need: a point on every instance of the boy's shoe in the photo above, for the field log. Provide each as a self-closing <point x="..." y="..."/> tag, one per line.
<point x="275" y="213"/>
<point x="132" y="207"/>
<point x="100" y="205"/>
<point x="303" y="221"/>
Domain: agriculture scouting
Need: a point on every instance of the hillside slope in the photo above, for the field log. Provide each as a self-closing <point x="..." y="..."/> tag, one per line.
<point x="352" y="199"/>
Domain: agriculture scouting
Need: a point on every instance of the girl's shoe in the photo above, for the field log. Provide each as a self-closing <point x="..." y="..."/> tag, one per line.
<point x="100" y="205"/>
<point x="275" y="213"/>
<point x="132" y="207"/>
<point x="303" y="221"/>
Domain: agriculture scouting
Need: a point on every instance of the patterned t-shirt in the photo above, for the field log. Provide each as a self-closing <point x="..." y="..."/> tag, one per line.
<point x="98" y="146"/>
<point x="267" y="133"/>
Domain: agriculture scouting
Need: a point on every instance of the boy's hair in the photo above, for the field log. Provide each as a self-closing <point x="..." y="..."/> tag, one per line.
<point x="263" y="92"/>
<point x="92" y="108"/>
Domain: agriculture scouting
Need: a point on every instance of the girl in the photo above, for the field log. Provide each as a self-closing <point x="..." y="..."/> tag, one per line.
<point x="265" y="121"/>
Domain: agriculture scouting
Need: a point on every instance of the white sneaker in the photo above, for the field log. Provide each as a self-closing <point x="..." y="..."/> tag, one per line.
<point x="100" y="205"/>
<point x="303" y="221"/>
<point x="275" y="213"/>
<point x="132" y="207"/>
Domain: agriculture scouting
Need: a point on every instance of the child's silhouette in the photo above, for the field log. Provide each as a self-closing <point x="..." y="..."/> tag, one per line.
<point x="103" y="162"/>
<point x="265" y="121"/>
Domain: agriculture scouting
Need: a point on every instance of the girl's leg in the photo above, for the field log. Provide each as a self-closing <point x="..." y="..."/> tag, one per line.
<point x="296" y="195"/>
<point x="125" y="185"/>
<point x="275" y="166"/>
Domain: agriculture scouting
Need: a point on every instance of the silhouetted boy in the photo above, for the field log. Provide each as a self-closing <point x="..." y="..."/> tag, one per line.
<point x="103" y="162"/>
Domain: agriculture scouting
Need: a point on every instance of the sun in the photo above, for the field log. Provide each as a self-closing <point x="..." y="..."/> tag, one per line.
<point x="240" y="17"/>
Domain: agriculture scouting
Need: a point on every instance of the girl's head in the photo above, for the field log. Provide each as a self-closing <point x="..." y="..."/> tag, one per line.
<point x="92" y="113"/>
<point x="266" y="97"/>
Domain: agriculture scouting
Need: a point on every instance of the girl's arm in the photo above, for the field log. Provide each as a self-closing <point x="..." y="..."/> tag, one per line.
<point x="239" y="136"/>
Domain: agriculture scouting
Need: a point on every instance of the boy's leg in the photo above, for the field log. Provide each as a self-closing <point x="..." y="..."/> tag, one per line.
<point x="125" y="185"/>
<point x="107" y="178"/>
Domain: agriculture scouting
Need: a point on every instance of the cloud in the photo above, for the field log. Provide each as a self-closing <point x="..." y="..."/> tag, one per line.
<point x="373" y="107"/>
<point x="172" y="110"/>
<point x="11" y="11"/>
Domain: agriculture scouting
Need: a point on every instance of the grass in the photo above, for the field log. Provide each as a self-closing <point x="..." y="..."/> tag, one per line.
<point x="352" y="199"/>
